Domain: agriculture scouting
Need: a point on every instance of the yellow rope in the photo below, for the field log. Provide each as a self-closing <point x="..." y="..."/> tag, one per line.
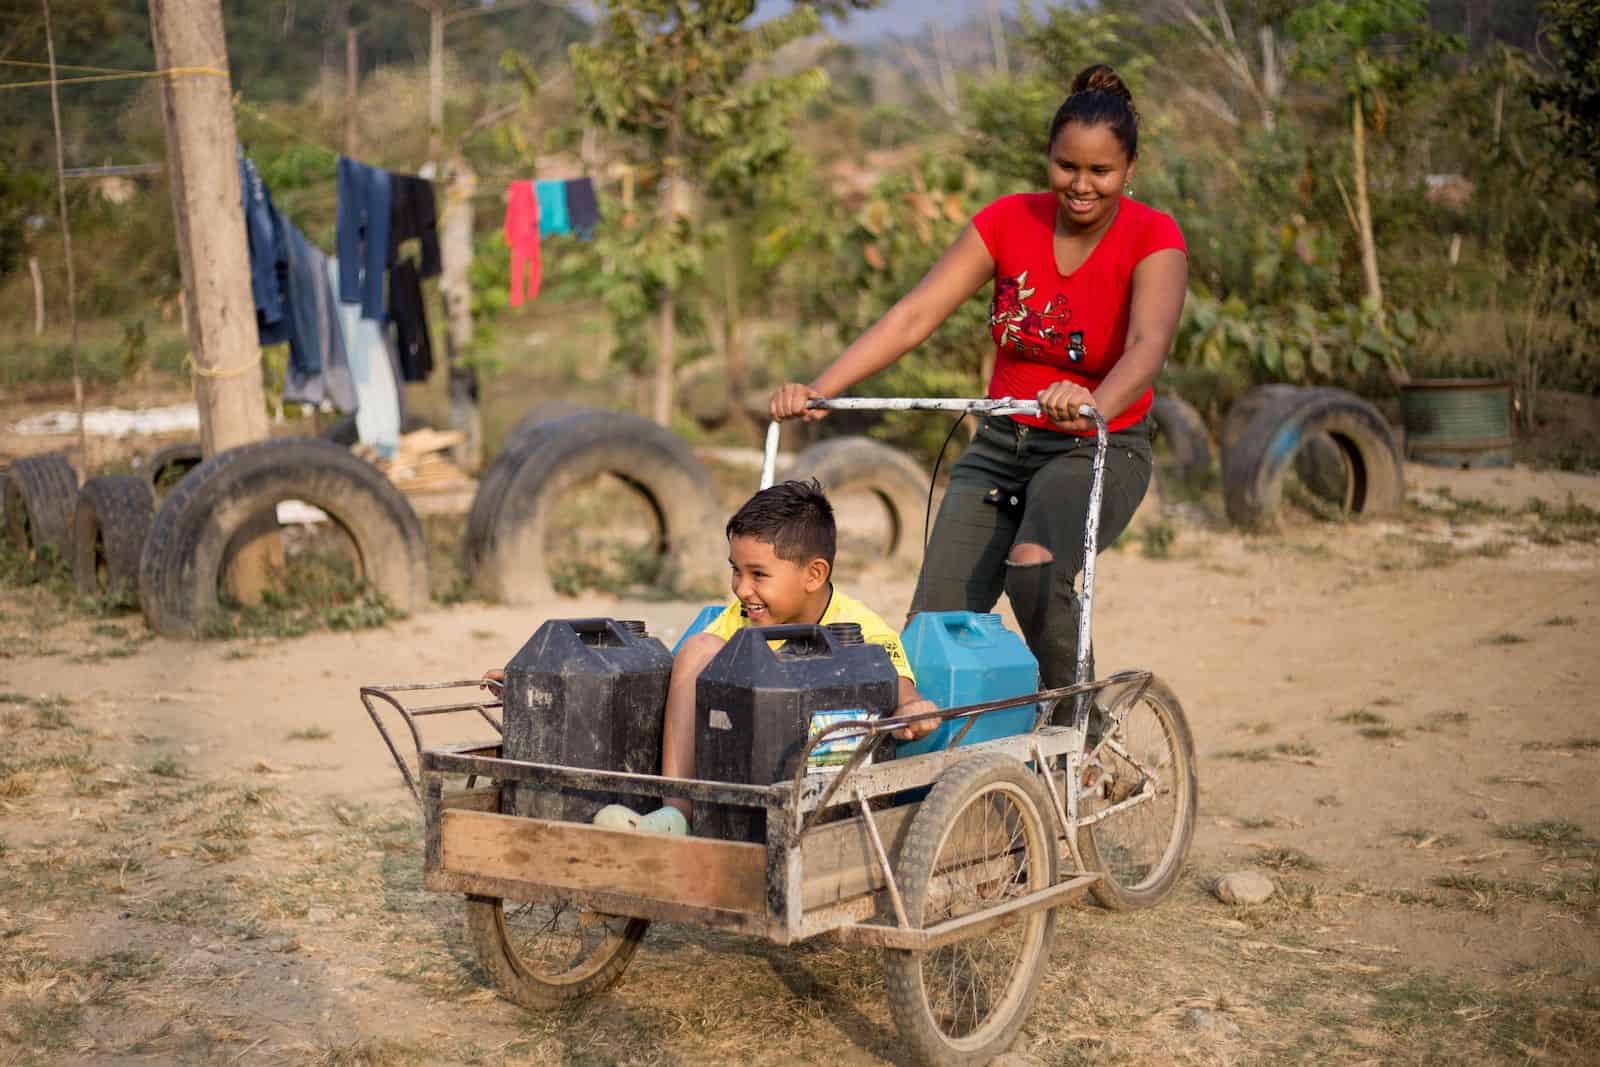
<point x="230" y="372"/>
<point x="169" y="72"/>
<point x="67" y="66"/>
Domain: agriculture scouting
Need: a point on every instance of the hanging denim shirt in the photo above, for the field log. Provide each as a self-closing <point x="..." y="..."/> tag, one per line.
<point x="362" y="235"/>
<point x="318" y="367"/>
<point x="264" y="246"/>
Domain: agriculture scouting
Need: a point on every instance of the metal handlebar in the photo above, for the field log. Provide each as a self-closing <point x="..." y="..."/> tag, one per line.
<point x="1004" y="405"/>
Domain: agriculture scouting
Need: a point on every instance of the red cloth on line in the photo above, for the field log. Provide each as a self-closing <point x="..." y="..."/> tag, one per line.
<point x="522" y="234"/>
<point x="1048" y="326"/>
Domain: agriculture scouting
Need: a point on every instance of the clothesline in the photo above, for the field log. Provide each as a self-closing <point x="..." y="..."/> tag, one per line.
<point x="167" y="72"/>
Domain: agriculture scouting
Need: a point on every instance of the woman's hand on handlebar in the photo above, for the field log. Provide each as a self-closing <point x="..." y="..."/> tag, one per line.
<point x="1060" y="403"/>
<point x="789" y="402"/>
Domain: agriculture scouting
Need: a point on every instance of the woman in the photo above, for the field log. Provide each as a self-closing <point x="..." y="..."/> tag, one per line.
<point x="1088" y="287"/>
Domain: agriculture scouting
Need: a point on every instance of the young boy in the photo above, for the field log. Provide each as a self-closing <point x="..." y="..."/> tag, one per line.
<point x="780" y="548"/>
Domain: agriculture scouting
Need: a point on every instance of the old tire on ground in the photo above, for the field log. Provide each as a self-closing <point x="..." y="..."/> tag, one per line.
<point x="509" y="565"/>
<point x="544" y="955"/>
<point x="39" y="495"/>
<point x="898" y="481"/>
<point x="533" y="428"/>
<point x="542" y="414"/>
<point x="1184" y="431"/>
<point x="167" y="467"/>
<point x="108" y="531"/>
<point x="984" y="836"/>
<point x="186" y="550"/>
<point x="1139" y="851"/>
<point x="1254" y="470"/>
<point x="1320" y="464"/>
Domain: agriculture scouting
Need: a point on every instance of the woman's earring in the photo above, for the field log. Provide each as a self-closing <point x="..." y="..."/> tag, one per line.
<point x="1127" y="189"/>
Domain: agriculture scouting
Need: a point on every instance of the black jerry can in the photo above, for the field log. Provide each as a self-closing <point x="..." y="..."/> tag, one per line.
<point x="754" y="703"/>
<point x="585" y="693"/>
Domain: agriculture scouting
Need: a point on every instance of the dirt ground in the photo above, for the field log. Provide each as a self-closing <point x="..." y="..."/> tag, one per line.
<point x="206" y="855"/>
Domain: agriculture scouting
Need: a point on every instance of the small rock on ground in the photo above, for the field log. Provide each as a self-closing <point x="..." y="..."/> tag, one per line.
<point x="1207" y="1021"/>
<point x="1244" y="887"/>
<point x="321" y="915"/>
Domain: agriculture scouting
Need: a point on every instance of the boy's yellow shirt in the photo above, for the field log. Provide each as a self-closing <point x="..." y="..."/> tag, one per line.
<point x="841" y="608"/>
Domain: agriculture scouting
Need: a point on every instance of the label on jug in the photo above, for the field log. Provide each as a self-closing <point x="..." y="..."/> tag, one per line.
<point x="833" y="754"/>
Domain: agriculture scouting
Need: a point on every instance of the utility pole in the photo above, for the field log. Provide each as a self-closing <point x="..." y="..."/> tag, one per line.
<point x="456" y="246"/>
<point x="203" y="169"/>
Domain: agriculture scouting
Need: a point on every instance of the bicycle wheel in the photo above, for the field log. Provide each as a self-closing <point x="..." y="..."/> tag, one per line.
<point x="543" y="955"/>
<point x="1148" y="756"/>
<point x="983" y="836"/>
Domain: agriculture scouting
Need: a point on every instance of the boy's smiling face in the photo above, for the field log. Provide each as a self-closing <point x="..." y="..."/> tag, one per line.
<point x="774" y="591"/>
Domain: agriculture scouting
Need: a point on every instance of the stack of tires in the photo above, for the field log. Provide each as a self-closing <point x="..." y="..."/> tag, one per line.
<point x="122" y="547"/>
<point x="97" y="528"/>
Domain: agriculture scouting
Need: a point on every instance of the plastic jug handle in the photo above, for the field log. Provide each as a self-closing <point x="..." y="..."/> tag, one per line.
<point x="594" y="631"/>
<point x="804" y="638"/>
<point x="967" y="623"/>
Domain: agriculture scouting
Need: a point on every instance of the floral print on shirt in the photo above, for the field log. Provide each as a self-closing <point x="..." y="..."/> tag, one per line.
<point x="1036" y="334"/>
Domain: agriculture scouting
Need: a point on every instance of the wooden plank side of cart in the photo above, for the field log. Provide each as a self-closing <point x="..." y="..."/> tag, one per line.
<point x="689" y="879"/>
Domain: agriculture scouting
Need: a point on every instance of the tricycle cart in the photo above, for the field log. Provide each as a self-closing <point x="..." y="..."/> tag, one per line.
<point x="953" y="862"/>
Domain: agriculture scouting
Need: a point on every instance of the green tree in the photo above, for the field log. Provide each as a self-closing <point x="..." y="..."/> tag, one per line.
<point x="1573" y="97"/>
<point x="1371" y="50"/>
<point x="681" y="85"/>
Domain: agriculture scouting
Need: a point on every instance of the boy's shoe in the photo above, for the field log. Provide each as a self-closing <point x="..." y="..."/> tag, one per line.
<point x="664" y="820"/>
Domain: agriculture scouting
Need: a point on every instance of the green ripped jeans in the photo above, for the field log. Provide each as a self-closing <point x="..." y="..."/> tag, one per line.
<point x="1017" y="484"/>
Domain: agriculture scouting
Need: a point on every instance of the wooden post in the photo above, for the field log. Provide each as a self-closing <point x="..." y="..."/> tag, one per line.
<point x="435" y="80"/>
<point x="203" y="169"/>
<point x="38" y="295"/>
<point x="1369" y="246"/>
<point x="456" y="252"/>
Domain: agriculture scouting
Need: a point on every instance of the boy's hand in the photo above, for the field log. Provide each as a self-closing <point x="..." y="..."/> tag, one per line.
<point x="917" y="729"/>
<point x="493" y="680"/>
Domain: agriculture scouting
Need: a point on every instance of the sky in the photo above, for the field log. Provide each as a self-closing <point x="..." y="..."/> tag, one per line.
<point x="898" y="16"/>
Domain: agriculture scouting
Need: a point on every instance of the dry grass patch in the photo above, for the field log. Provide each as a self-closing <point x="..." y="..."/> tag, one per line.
<point x="1571" y="744"/>
<point x="1547" y="833"/>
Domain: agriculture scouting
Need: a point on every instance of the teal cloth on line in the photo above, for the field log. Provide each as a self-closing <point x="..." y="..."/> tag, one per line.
<point x="552" y="208"/>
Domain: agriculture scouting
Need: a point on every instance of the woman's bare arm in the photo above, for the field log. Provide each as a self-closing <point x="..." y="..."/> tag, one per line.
<point x="963" y="269"/>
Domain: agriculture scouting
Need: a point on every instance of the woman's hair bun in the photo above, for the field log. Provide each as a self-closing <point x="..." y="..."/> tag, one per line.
<point x="1101" y="78"/>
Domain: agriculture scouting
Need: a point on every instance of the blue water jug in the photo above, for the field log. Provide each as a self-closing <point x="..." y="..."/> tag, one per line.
<point x="962" y="658"/>
<point x="707" y="616"/>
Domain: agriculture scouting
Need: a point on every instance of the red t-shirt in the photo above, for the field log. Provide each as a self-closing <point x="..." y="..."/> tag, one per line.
<point x="1047" y="326"/>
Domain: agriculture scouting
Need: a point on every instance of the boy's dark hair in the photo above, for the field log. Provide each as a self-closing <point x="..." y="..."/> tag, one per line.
<point x="795" y="518"/>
